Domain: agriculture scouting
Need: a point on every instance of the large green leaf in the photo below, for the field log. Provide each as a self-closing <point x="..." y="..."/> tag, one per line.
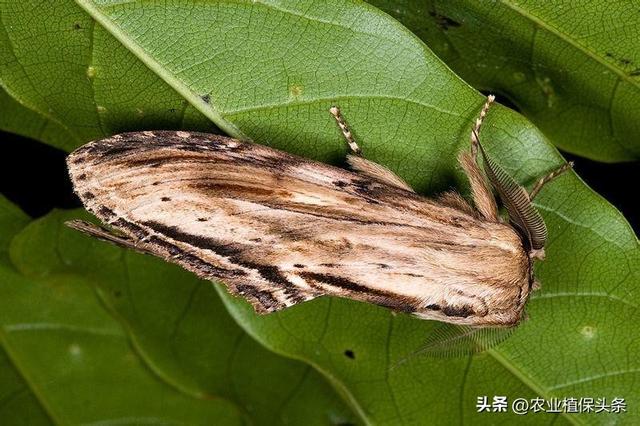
<point x="56" y="62"/>
<point x="15" y="394"/>
<point x="16" y="397"/>
<point x="572" y="67"/>
<point x="270" y="71"/>
<point x="178" y="326"/>
<point x="17" y="118"/>
<point x="63" y="357"/>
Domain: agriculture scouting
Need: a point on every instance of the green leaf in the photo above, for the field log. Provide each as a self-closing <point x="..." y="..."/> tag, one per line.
<point x="178" y="326"/>
<point x="572" y="67"/>
<point x="269" y="71"/>
<point x="16" y="118"/>
<point x="63" y="355"/>
<point x="15" y="397"/>
<point x="55" y="61"/>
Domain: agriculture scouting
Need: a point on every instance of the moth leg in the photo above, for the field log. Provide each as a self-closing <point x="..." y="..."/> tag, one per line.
<point x="346" y="132"/>
<point x="548" y="178"/>
<point x="105" y="235"/>
<point x="481" y="192"/>
<point x="361" y="164"/>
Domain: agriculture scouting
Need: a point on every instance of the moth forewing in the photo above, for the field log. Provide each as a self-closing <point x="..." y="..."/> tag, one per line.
<point x="278" y="229"/>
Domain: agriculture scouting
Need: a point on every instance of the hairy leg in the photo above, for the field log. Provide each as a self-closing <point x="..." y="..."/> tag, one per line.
<point x="106" y="235"/>
<point x="362" y="165"/>
<point x="548" y="178"/>
<point x="346" y="132"/>
<point x="482" y="196"/>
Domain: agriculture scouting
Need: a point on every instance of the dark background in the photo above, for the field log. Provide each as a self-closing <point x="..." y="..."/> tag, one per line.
<point x="34" y="176"/>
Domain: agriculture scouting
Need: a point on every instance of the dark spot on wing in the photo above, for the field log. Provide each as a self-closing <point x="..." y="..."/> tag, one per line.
<point x="165" y="199"/>
<point x="114" y="151"/>
<point x="362" y="186"/>
<point x="264" y="297"/>
<point x="131" y="228"/>
<point x="88" y="196"/>
<point x="349" y="354"/>
<point x="295" y="296"/>
<point x="454" y="311"/>
<point x="337" y="281"/>
<point x="297" y="265"/>
<point x="366" y="189"/>
<point x="104" y="213"/>
<point x="411" y="274"/>
<point x="268" y="272"/>
<point x="433" y="307"/>
<point x="234" y="189"/>
<point x="172" y="249"/>
<point x="202" y="219"/>
<point x="206" y="98"/>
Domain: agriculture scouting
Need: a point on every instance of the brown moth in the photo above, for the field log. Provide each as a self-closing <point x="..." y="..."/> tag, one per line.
<point x="279" y="229"/>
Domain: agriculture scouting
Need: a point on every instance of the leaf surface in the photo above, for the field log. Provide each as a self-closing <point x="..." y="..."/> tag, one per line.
<point x="56" y="62"/>
<point x="67" y="361"/>
<point x="572" y="67"/>
<point x="17" y="118"/>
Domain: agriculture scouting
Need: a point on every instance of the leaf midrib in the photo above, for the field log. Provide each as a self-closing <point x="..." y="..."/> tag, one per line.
<point x="26" y="379"/>
<point x="572" y="42"/>
<point x="531" y="384"/>
<point x="207" y="109"/>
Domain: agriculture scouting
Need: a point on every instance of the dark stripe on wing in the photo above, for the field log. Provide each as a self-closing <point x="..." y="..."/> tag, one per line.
<point x="380" y="297"/>
<point x="269" y="273"/>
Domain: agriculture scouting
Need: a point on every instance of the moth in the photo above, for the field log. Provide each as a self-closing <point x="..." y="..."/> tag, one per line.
<point x="279" y="230"/>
